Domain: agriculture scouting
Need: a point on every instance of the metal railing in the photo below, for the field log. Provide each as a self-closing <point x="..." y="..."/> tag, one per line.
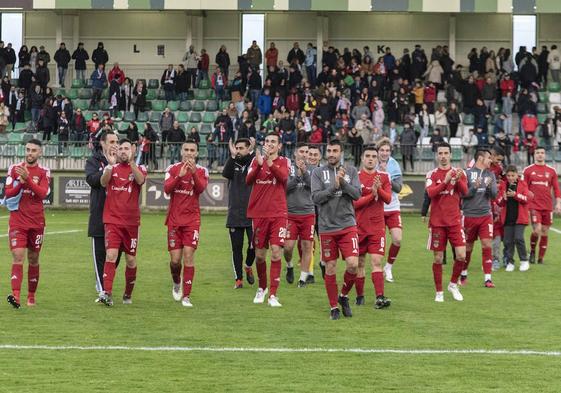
<point x="70" y="156"/>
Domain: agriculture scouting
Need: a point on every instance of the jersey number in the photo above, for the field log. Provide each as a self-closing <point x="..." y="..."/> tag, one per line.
<point x="133" y="244"/>
<point x="39" y="240"/>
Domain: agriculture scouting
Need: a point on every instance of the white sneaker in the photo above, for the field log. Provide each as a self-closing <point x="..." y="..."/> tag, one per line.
<point x="260" y="295"/>
<point x="453" y="289"/>
<point x="274" y="301"/>
<point x="439" y="297"/>
<point x="127" y="300"/>
<point x="510" y="267"/>
<point x="176" y="292"/>
<point x="524" y="266"/>
<point x="388" y="272"/>
<point x="186" y="302"/>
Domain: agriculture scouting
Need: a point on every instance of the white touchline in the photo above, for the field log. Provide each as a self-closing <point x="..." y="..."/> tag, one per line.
<point x="520" y="352"/>
<point x="555" y="230"/>
<point x="55" y="232"/>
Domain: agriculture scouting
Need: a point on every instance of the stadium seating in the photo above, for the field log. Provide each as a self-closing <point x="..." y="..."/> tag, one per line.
<point x="185" y="106"/>
<point x="195" y="117"/>
<point x="209" y="117"/>
<point x="173" y="105"/>
<point x="554" y="87"/>
<point x="153" y="84"/>
<point x="129" y="116"/>
<point x="182" y="117"/>
<point x="199" y="106"/>
<point x="212" y="106"/>
<point x="155" y="117"/>
<point x="204" y="84"/>
<point x="158" y="105"/>
<point x="85" y="94"/>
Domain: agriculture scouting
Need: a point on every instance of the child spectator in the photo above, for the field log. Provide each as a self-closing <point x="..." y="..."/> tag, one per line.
<point x="513" y="199"/>
<point x="530" y="144"/>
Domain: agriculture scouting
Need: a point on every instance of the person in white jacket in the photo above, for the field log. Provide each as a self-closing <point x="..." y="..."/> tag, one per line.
<point x="554" y="61"/>
<point x="442" y="121"/>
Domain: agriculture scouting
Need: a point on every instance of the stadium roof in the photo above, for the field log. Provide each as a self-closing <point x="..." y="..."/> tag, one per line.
<point x="488" y="6"/>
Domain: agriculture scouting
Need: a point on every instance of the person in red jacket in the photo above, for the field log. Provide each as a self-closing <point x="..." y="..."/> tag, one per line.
<point x="293" y="101"/>
<point x="507" y="85"/>
<point x="272" y="56"/>
<point x="430" y="97"/>
<point x="513" y="199"/>
<point x="116" y="73"/>
<point x="203" y="64"/>
<point x="529" y="123"/>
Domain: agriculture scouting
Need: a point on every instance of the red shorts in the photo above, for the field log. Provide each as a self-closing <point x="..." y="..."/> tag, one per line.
<point x="439" y="236"/>
<point x="124" y="238"/>
<point x="393" y="219"/>
<point x="369" y="243"/>
<point x="478" y="227"/>
<point x="30" y="238"/>
<point x="544" y="217"/>
<point x="184" y="236"/>
<point x="269" y="231"/>
<point x="345" y="241"/>
<point x="301" y="227"/>
<point x="498" y="229"/>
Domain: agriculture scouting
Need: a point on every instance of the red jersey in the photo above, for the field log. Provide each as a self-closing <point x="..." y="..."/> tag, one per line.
<point x="268" y="195"/>
<point x="183" y="209"/>
<point x="445" y="198"/>
<point x="498" y="171"/>
<point x="121" y="204"/>
<point x="541" y="181"/>
<point x="369" y="210"/>
<point x="30" y="212"/>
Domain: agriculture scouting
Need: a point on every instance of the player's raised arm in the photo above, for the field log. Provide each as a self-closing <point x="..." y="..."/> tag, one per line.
<point x="385" y="191"/>
<point x="352" y="188"/>
<point x="172" y="177"/>
<point x="41" y="189"/>
<point x="138" y="172"/>
<point x="200" y="178"/>
<point x="12" y="189"/>
<point x="254" y="168"/>
<point x="461" y="182"/>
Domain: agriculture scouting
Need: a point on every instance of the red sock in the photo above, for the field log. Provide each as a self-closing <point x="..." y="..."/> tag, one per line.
<point x="543" y="247"/>
<point x="32" y="278"/>
<point x="188" y="274"/>
<point x="175" y="270"/>
<point x="130" y="279"/>
<point x="468" y="260"/>
<point x="275" y="271"/>
<point x="378" y="281"/>
<point x="108" y="276"/>
<point x="17" y="277"/>
<point x="487" y="259"/>
<point x="533" y="241"/>
<point x="359" y="285"/>
<point x="348" y="282"/>
<point x="456" y="271"/>
<point x="437" y="275"/>
<point x="331" y="288"/>
<point x="261" y="273"/>
<point x="392" y="254"/>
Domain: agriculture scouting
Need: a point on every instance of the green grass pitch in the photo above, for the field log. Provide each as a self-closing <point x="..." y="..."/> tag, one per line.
<point x="522" y="313"/>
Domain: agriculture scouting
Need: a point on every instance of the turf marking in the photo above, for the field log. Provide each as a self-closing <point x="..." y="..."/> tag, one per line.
<point x="521" y="352"/>
<point x="54" y="233"/>
<point x="555" y="230"/>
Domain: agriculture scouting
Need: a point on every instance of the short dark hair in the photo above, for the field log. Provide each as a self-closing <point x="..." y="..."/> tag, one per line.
<point x="316" y="147"/>
<point x="369" y="148"/>
<point x="511" y="168"/>
<point x="481" y="152"/>
<point x="191" y="141"/>
<point x="245" y="141"/>
<point x="124" y="140"/>
<point x="497" y="150"/>
<point x="302" y="144"/>
<point x="539" y="148"/>
<point x="444" y="144"/>
<point x="104" y="134"/>
<point x="274" y="134"/>
<point x="36" y="142"/>
<point x="335" y="142"/>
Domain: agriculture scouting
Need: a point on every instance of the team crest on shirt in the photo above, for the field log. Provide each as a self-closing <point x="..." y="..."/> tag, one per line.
<point x="547" y="175"/>
<point x="172" y="242"/>
<point x="131" y="177"/>
<point x="347" y="178"/>
<point x="36" y="179"/>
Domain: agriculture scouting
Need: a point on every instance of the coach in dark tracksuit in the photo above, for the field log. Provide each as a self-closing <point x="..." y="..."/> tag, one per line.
<point x="94" y="170"/>
<point x="235" y="170"/>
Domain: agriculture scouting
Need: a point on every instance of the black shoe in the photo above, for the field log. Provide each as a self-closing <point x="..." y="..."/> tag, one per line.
<point x="290" y="275"/>
<point x="13" y="302"/>
<point x="310" y="279"/>
<point x="301" y="284"/>
<point x="540" y="261"/>
<point x="359" y="301"/>
<point x="344" y="302"/>
<point x="249" y="275"/>
<point x="382" y="302"/>
<point x="532" y="257"/>
<point x="106" y="299"/>
<point x="322" y="267"/>
<point x="335" y="314"/>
